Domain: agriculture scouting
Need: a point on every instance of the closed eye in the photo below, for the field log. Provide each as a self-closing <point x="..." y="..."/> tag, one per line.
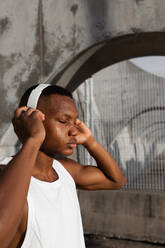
<point x="64" y="122"/>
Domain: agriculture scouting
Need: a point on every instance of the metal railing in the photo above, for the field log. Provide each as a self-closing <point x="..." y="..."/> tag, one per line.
<point x="127" y="115"/>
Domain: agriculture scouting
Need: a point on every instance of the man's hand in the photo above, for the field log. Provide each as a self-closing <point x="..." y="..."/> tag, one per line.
<point x="84" y="135"/>
<point x="28" y="123"/>
<point x="107" y="174"/>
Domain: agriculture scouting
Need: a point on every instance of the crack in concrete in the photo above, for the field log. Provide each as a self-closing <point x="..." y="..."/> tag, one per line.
<point x="41" y="40"/>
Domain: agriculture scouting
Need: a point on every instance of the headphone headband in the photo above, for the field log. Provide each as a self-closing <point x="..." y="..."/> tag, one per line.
<point x="35" y="94"/>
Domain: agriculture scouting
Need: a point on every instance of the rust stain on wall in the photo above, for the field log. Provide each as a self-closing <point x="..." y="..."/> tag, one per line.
<point x="74" y="8"/>
<point x="4" y="24"/>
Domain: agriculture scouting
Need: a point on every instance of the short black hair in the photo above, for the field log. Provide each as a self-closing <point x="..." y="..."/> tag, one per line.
<point x="52" y="89"/>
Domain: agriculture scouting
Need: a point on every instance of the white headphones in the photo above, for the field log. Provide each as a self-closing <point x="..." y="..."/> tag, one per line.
<point x="35" y="94"/>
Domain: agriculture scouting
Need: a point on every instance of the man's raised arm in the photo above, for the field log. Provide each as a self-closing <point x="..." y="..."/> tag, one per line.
<point x="14" y="182"/>
<point x="107" y="175"/>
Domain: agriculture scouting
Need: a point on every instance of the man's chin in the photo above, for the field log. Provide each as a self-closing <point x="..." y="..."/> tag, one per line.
<point x="67" y="152"/>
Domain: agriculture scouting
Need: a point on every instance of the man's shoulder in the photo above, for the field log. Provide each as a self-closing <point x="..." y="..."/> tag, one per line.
<point x="68" y="162"/>
<point x="70" y="165"/>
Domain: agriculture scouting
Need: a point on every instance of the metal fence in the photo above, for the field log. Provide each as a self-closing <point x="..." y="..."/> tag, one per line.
<point x="127" y="115"/>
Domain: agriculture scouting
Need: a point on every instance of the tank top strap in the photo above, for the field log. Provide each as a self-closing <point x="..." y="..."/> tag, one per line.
<point x="62" y="172"/>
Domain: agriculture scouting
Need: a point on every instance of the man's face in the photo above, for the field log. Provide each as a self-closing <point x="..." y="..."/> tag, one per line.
<point x="60" y="117"/>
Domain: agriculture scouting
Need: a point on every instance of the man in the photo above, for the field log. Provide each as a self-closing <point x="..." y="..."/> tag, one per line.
<point x="38" y="200"/>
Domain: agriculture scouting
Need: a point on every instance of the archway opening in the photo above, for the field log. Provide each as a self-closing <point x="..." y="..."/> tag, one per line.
<point x="124" y="106"/>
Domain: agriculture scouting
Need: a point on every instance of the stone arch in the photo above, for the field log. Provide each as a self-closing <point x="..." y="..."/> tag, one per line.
<point x="109" y="52"/>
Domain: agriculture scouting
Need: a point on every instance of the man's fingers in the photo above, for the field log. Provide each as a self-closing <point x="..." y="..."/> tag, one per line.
<point x="42" y="116"/>
<point x="38" y="113"/>
<point x="22" y="114"/>
<point x="78" y="122"/>
<point x="18" y="111"/>
<point x="25" y="111"/>
<point x="29" y="111"/>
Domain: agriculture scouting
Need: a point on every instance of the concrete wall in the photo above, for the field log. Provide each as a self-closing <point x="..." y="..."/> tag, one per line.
<point x="125" y="215"/>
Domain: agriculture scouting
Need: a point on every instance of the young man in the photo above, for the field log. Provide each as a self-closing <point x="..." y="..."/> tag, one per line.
<point x="38" y="200"/>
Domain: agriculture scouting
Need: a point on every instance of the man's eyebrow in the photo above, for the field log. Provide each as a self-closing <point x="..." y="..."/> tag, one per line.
<point x="68" y="116"/>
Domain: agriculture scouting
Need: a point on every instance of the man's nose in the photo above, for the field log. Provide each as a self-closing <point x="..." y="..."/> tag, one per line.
<point x="73" y="130"/>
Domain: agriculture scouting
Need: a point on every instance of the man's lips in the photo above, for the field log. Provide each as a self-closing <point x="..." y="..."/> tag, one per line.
<point x="72" y="144"/>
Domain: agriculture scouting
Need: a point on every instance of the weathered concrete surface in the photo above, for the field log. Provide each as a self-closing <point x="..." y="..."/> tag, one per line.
<point x="128" y="215"/>
<point x="19" y="57"/>
<point x="102" y="242"/>
<point x="69" y="40"/>
<point x="74" y="26"/>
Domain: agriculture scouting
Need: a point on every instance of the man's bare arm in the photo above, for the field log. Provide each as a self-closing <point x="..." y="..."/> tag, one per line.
<point x="106" y="164"/>
<point x="14" y="182"/>
<point x="91" y="177"/>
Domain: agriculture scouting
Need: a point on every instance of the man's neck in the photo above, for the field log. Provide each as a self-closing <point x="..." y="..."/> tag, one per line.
<point x="43" y="169"/>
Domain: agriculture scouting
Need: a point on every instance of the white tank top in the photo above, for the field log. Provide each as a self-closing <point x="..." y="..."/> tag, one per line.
<point x="54" y="219"/>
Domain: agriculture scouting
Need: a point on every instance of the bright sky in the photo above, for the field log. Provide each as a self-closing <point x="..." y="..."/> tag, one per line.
<point x="152" y="64"/>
